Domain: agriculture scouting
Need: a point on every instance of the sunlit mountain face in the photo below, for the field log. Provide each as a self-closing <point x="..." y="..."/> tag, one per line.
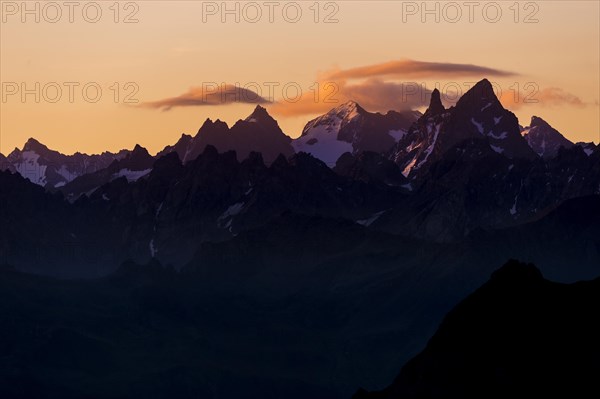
<point x="294" y="200"/>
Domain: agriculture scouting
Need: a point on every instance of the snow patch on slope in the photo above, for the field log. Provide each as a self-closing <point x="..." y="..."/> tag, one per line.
<point x="430" y="148"/>
<point x="66" y="174"/>
<point x="397" y="134"/>
<point x="500" y="136"/>
<point x="369" y="221"/>
<point x="230" y="212"/>
<point x="131" y="175"/>
<point x="31" y="169"/>
<point x="478" y="125"/>
<point x="499" y="150"/>
<point x="321" y="142"/>
<point x="153" y="250"/>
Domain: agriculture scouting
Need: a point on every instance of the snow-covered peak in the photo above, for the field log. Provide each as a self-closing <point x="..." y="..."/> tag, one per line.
<point x="320" y="136"/>
<point x="348" y="110"/>
<point x="336" y="118"/>
<point x="350" y="128"/>
<point x="30" y="168"/>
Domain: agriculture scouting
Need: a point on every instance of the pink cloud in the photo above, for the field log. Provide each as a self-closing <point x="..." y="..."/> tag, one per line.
<point x="208" y="94"/>
<point x="407" y="68"/>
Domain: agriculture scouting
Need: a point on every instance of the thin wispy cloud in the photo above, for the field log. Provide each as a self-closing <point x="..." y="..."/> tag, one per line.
<point x="411" y="69"/>
<point x="379" y="87"/>
<point x="209" y="94"/>
<point x="548" y="97"/>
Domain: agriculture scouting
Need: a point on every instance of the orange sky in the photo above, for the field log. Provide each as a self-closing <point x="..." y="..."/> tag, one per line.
<point x="371" y="50"/>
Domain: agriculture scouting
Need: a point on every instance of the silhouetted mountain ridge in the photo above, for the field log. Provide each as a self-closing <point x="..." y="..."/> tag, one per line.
<point x="517" y="335"/>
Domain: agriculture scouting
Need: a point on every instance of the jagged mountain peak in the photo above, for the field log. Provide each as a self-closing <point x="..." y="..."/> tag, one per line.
<point x="348" y="110"/>
<point x="516" y="272"/>
<point x="537" y="121"/>
<point x="336" y="118"/>
<point x="544" y="139"/>
<point x="259" y="132"/>
<point x="137" y="149"/>
<point x="351" y="105"/>
<point x="167" y="162"/>
<point x="262" y="117"/>
<point x="208" y="125"/>
<point x="36" y="146"/>
<point x="259" y="114"/>
<point x="435" y="104"/>
<point x="139" y="158"/>
<point x="32" y="145"/>
<point x="181" y="147"/>
<point x="350" y="128"/>
<point x="477" y="115"/>
<point x="479" y="95"/>
<point x="340" y="115"/>
<point x="484" y="87"/>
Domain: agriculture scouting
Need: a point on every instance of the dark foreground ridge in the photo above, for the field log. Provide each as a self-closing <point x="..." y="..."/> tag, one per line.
<point x="517" y="336"/>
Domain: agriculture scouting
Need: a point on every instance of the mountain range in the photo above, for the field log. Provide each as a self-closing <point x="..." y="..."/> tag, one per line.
<point x="51" y="169"/>
<point x="410" y="139"/>
<point x="259" y="132"/>
<point x="439" y="176"/>
<point x="242" y="263"/>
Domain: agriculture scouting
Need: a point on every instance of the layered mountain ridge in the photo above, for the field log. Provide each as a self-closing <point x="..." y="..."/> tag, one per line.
<point x="409" y="139"/>
<point x="253" y="270"/>
<point x="451" y="172"/>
